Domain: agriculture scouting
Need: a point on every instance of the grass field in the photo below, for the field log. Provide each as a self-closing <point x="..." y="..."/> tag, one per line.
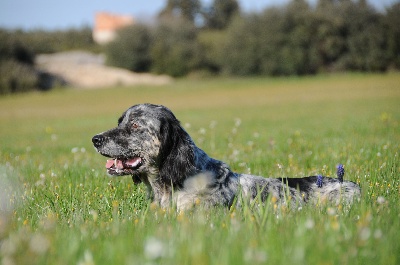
<point x="58" y="206"/>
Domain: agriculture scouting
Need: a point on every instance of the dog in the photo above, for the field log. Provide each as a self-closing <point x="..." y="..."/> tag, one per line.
<point x="150" y="145"/>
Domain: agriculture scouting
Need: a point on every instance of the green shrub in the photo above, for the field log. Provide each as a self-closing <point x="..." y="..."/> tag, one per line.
<point x="212" y="43"/>
<point x="241" y="55"/>
<point x="131" y="49"/>
<point x="13" y="48"/>
<point x="175" y="50"/>
<point x="392" y="22"/>
<point x="17" y="77"/>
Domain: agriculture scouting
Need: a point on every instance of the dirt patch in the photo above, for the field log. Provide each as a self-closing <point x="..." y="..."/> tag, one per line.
<point x="86" y="70"/>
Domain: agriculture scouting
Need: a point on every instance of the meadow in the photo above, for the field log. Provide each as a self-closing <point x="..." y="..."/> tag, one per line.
<point x="58" y="206"/>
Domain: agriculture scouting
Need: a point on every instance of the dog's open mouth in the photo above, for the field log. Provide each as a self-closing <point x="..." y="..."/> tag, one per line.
<point x="122" y="167"/>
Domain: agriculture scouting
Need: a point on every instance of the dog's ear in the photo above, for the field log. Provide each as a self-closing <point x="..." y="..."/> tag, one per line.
<point x="176" y="152"/>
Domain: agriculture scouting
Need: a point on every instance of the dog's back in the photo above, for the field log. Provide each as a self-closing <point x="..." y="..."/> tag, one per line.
<point x="299" y="190"/>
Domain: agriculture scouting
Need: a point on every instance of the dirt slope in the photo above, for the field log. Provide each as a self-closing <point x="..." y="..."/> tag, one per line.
<point x="86" y="70"/>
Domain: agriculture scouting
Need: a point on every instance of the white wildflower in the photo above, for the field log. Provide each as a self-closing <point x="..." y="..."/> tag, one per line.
<point x="378" y="234"/>
<point x="331" y="211"/>
<point x="238" y="121"/>
<point x="154" y="248"/>
<point x="87" y="259"/>
<point x="365" y="233"/>
<point x="255" y="256"/>
<point x="39" y="244"/>
<point x="309" y="224"/>
<point x="213" y="124"/>
<point x="381" y="200"/>
<point x="74" y="150"/>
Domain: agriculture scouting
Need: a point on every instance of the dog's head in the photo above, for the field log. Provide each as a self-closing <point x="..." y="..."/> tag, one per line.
<point x="147" y="141"/>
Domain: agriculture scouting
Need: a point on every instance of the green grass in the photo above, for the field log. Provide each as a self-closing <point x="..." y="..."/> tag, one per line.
<point x="58" y="206"/>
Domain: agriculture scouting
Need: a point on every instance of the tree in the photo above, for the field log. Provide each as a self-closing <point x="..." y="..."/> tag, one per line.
<point x="365" y="37"/>
<point x="392" y="22"/>
<point x="221" y="13"/>
<point x="131" y="49"/>
<point x="181" y="9"/>
<point x="330" y="34"/>
<point x="286" y="40"/>
<point x="325" y="4"/>
<point x="175" y="50"/>
<point x="298" y="52"/>
<point x="13" y="47"/>
<point x="241" y="53"/>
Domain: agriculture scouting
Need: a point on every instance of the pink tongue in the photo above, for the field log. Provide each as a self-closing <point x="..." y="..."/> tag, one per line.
<point x="117" y="163"/>
<point x="110" y="163"/>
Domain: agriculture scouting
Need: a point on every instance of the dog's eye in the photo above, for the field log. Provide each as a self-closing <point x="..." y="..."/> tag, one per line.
<point x="135" y="125"/>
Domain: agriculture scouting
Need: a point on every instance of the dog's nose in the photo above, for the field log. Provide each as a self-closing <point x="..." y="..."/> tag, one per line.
<point x="98" y="140"/>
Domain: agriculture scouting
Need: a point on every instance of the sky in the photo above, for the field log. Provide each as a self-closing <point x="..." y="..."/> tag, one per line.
<point x="52" y="15"/>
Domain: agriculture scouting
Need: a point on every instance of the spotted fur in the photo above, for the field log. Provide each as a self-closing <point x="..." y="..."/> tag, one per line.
<point x="150" y="145"/>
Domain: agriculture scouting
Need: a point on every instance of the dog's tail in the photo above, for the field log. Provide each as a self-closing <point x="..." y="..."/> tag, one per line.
<point x="320" y="189"/>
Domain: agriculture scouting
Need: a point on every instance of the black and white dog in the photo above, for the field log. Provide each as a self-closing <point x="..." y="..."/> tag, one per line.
<point x="150" y="145"/>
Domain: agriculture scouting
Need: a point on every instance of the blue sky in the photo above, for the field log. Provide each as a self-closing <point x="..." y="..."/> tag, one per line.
<point x="50" y="14"/>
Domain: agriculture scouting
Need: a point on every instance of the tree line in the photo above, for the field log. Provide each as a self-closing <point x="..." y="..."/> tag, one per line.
<point x="294" y="39"/>
<point x="219" y="39"/>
